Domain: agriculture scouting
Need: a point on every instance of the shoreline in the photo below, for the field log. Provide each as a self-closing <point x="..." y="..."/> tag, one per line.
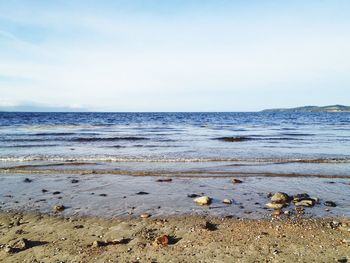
<point x="175" y="174"/>
<point x="55" y="238"/>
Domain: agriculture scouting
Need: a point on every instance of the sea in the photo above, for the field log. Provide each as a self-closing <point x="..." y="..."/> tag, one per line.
<point x="123" y="153"/>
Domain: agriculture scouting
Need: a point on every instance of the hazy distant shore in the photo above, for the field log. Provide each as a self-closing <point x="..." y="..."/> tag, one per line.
<point x="330" y="108"/>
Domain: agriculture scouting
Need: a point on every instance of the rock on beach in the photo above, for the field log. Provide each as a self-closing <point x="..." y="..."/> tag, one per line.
<point x="227" y="201"/>
<point x="162" y="240"/>
<point x="330" y="203"/>
<point x="275" y="206"/>
<point x="305" y="202"/>
<point x="203" y="200"/>
<point x="280" y="198"/>
<point x="58" y="208"/>
<point x="236" y="181"/>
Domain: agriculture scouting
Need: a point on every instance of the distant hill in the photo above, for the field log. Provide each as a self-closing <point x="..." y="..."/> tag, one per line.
<point x="38" y="108"/>
<point x="330" y="108"/>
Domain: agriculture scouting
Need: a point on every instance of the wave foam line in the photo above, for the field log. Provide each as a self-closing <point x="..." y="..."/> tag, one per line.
<point x="175" y="174"/>
<point x="168" y="160"/>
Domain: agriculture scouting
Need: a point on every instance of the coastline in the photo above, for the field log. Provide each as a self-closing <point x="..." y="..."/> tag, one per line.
<point x="36" y="237"/>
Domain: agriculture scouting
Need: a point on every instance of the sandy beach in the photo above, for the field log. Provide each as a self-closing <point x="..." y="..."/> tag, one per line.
<point x="29" y="237"/>
<point x="97" y="217"/>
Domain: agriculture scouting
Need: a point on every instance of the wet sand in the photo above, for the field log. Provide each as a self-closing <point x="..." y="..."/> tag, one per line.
<point x="30" y="237"/>
<point x="111" y="195"/>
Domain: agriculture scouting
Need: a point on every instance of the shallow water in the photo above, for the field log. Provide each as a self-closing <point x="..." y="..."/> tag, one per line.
<point x="119" y="195"/>
<point x="118" y="153"/>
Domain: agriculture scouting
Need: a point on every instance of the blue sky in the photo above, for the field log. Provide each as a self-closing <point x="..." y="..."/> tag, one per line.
<point x="188" y="55"/>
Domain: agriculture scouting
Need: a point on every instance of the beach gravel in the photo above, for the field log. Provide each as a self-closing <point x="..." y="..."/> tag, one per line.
<point x="171" y="239"/>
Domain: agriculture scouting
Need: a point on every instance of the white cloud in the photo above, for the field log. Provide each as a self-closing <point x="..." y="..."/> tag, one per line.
<point x="139" y="62"/>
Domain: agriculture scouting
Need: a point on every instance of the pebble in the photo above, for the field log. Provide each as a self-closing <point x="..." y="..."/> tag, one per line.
<point x="277" y="213"/>
<point x="9" y="249"/>
<point x="330" y="203"/>
<point x="165" y="180"/>
<point x="203" y="200"/>
<point x="305" y="202"/>
<point x="162" y="240"/>
<point x="227" y="201"/>
<point x="23" y="243"/>
<point x="208" y="226"/>
<point x="334" y="224"/>
<point x="145" y="215"/>
<point x="299" y="197"/>
<point x="19" y="232"/>
<point x="236" y="181"/>
<point x="342" y="260"/>
<point x="58" y="208"/>
<point x="192" y="195"/>
<point x="142" y="193"/>
<point x="99" y="243"/>
<point x="120" y="241"/>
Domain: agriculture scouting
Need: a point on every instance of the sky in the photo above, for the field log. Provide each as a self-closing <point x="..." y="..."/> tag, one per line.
<point x="178" y="55"/>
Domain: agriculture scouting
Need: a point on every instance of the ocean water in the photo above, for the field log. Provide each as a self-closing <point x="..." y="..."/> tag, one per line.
<point x="305" y="143"/>
<point x="121" y="153"/>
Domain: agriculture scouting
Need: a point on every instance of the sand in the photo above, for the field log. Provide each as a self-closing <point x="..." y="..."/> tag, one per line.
<point x="53" y="238"/>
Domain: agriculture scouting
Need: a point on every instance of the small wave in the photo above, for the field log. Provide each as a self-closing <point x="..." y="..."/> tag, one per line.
<point x="165" y="140"/>
<point x="55" y="126"/>
<point x="109" y="139"/>
<point x="234" y="139"/>
<point x="53" y="134"/>
<point x="155" y="146"/>
<point x="297" y="134"/>
<point x="29" y="146"/>
<point x="24" y="140"/>
<point x="287" y="129"/>
<point x="280" y="139"/>
<point x="75" y="139"/>
<point x="256" y="138"/>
